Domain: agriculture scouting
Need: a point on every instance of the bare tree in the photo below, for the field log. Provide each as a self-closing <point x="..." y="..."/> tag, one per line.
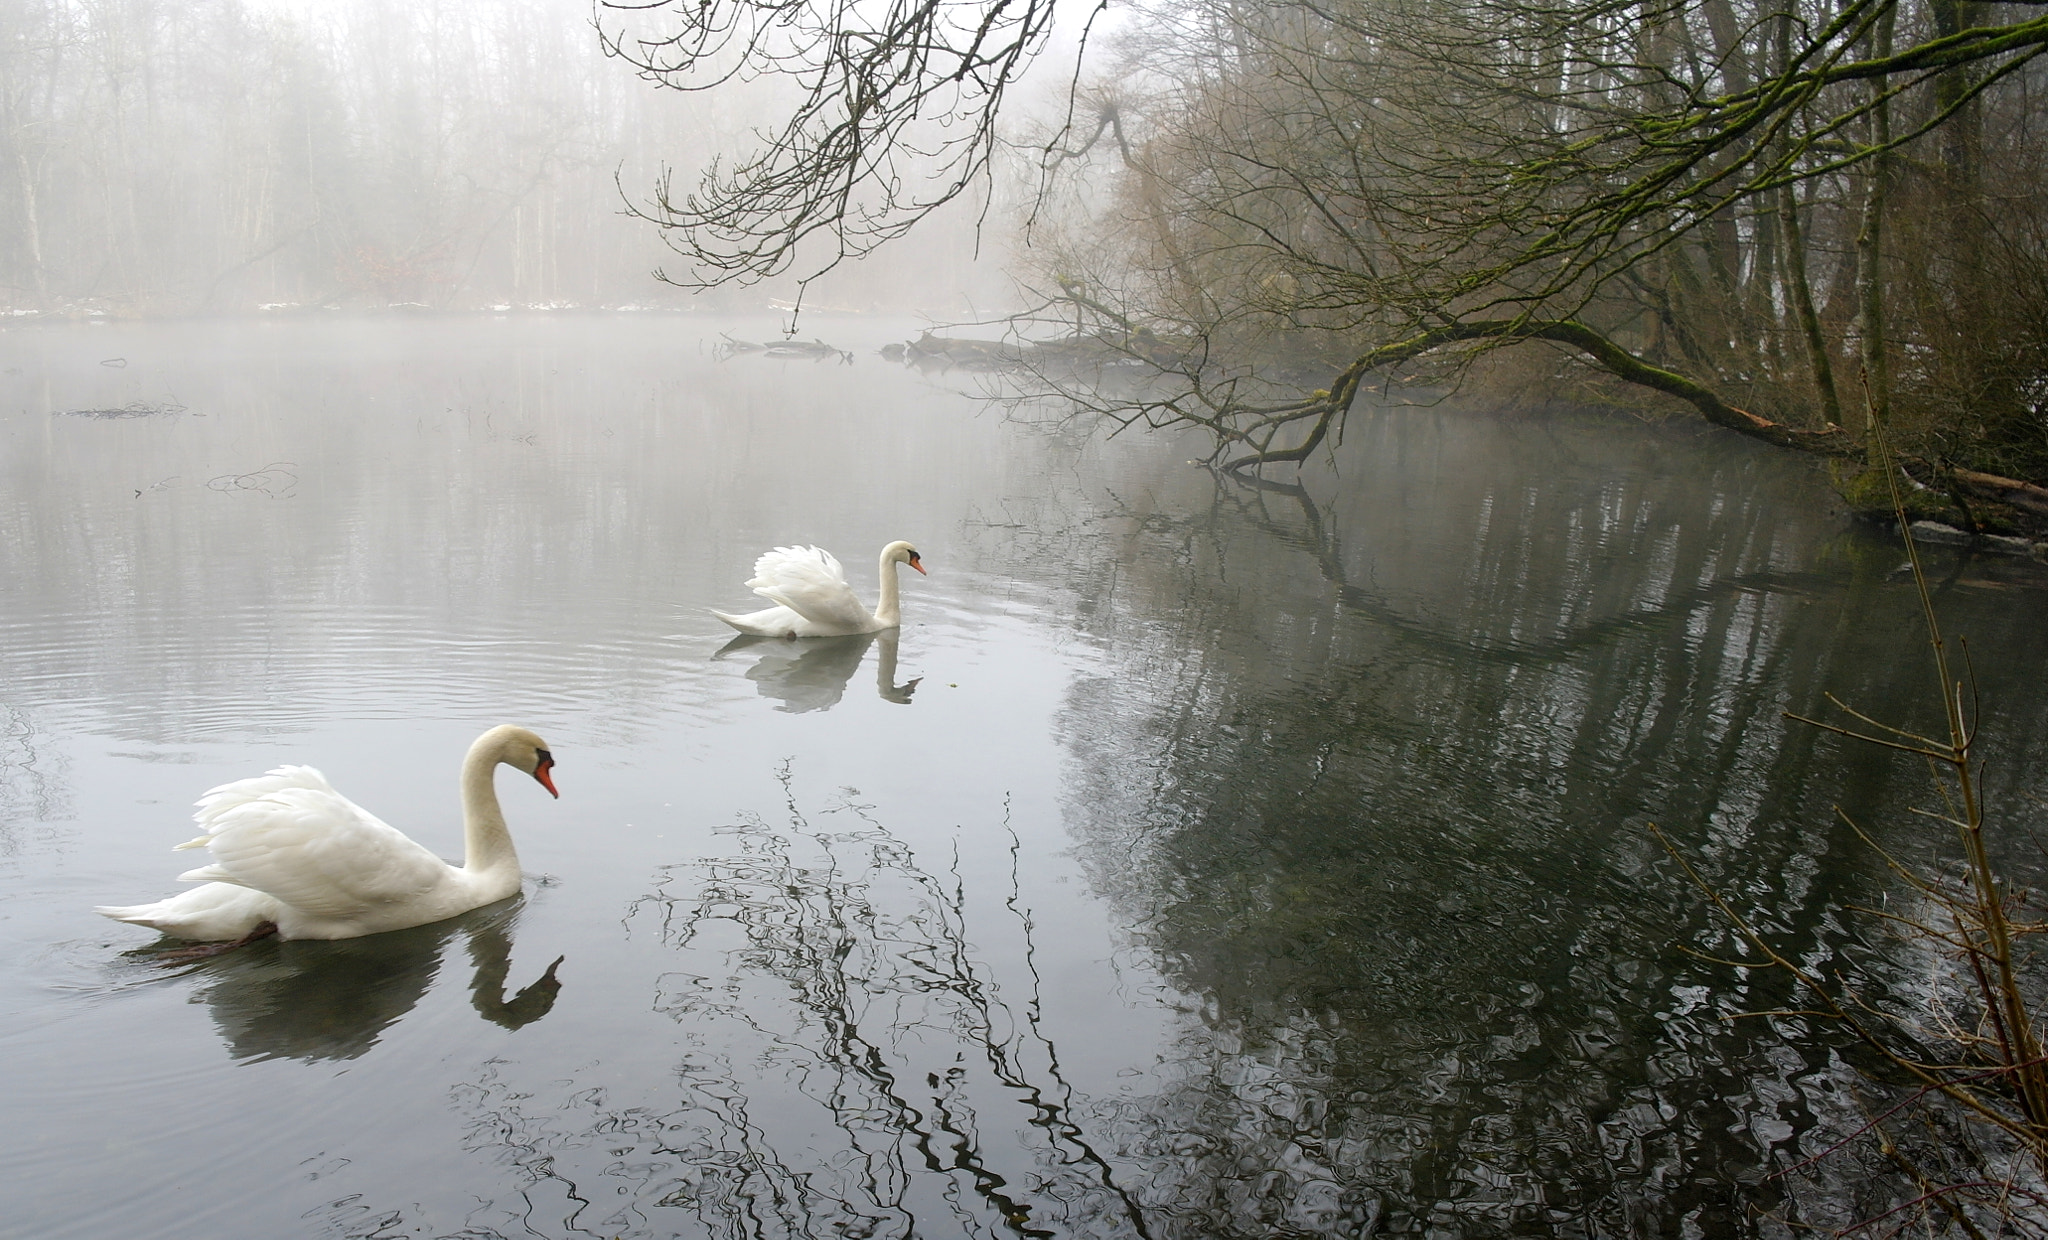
<point x="1698" y="197"/>
<point x="1374" y="185"/>
<point x="894" y="115"/>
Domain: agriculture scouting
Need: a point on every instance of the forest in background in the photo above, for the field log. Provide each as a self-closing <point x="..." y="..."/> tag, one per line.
<point x="214" y="156"/>
<point x="1791" y="217"/>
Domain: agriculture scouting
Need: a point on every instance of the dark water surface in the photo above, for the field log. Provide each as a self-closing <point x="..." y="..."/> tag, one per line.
<point x="1198" y="860"/>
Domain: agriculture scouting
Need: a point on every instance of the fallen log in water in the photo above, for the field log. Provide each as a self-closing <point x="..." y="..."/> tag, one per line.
<point x="802" y="350"/>
<point x="1140" y="348"/>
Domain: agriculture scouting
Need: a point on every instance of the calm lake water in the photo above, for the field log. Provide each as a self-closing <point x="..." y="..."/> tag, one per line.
<point x="1198" y="861"/>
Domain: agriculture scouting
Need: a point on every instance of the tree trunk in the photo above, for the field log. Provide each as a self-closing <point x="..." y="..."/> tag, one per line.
<point x="1870" y="246"/>
<point x="1801" y="290"/>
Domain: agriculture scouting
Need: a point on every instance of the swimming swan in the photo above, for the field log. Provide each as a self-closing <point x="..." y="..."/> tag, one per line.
<point x="812" y="598"/>
<point x="294" y="857"/>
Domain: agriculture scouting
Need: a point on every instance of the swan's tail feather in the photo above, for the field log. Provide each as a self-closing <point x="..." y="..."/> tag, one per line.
<point x="774" y="622"/>
<point x="210" y="913"/>
<point x="746" y="624"/>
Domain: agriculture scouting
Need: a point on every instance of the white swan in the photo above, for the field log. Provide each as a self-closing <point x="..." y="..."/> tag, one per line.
<point x="812" y="598"/>
<point x="292" y="855"/>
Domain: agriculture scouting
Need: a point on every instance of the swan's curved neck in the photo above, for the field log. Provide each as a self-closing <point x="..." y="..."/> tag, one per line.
<point x="888" y="611"/>
<point x="487" y="845"/>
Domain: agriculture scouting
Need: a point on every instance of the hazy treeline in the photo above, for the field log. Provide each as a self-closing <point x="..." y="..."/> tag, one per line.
<point x="211" y="155"/>
<point x="181" y="156"/>
<point x="1764" y="199"/>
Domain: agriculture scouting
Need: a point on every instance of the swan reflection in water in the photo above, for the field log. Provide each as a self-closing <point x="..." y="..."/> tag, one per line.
<point x="813" y="674"/>
<point x="316" y="1000"/>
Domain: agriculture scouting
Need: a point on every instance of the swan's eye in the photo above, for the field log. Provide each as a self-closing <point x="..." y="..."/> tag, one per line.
<point x="544" y="758"/>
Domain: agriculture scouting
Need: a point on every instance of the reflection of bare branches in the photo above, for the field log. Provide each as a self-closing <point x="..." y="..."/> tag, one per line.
<point x="1320" y="541"/>
<point x="493" y="435"/>
<point x="275" y="480"/>
<point x="848" y="970"/>
<point x="502" y="1124"/>
<point x="33" y="786"/>
<point x="133" y="409"/>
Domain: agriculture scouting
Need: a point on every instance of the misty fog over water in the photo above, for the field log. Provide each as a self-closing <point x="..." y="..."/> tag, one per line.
<point x="1197" y="860"/>
<point x="222" y="156"/>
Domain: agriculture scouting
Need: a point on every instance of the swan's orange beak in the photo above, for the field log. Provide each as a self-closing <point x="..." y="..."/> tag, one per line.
<point x="540" y="772"/>
<point x="919" y="567"/>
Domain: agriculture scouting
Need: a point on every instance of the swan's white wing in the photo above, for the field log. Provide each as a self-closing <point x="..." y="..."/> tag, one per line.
<point x="809" y="582"/>
<point x="290" y="834"/>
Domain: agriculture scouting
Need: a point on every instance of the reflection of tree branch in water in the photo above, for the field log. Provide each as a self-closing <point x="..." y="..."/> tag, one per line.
<point x="33" y="786"/>
<point x="275" y="480"/>
<point x="856" y="938"/>
<point x="1052" y="1116"/>
<point x="1321" y="544"/>
<point x="526" y="1146"/>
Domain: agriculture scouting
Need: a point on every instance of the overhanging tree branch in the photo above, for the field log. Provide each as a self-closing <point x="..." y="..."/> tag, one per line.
<point x="894" y="116"/>
<point x="1324" y="408"/>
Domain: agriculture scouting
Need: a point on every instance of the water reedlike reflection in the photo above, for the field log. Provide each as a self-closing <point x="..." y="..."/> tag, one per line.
<point x="922" y="1094"/>
<point x="312" y="1000"/>
<point x="807" y="674"/>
